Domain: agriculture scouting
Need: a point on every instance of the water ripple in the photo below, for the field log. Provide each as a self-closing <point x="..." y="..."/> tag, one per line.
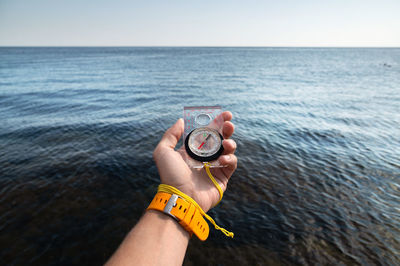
<point x="318" y="178"/>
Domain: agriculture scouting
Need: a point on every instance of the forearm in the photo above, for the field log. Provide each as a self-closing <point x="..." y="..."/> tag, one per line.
<point x="157" y="239"/>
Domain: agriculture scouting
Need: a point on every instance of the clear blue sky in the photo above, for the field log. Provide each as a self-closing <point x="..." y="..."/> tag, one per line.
<point x="200" y="23"/>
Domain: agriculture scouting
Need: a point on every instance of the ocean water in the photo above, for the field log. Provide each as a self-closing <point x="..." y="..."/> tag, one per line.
<point x="318" y="134"/>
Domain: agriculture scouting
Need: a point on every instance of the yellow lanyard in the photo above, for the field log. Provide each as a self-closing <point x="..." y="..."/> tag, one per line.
<point x="171" y="190"/>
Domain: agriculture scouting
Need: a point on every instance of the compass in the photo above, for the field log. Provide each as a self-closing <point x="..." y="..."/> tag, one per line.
<point x="204" y="144"/>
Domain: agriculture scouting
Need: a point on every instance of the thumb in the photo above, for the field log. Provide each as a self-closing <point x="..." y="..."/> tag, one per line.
<point x="173" y="134"/>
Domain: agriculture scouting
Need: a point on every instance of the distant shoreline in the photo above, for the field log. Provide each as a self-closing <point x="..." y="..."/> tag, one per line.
<point x="188" y="46"/>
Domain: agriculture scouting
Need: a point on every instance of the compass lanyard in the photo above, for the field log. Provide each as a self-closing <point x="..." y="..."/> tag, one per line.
<point x="221" y="193"/>
<point x="170" y="189"/>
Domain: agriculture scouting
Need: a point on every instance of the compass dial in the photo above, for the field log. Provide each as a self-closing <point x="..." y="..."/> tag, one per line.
<point x="204" y="144"/>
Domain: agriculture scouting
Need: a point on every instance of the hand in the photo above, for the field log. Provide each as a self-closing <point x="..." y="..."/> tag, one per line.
<point x="195" y="183"/>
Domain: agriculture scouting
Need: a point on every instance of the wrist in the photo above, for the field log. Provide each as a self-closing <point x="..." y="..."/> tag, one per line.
<point x="171" y="202"/>
<point x="185" y="210"/>
<point x="198" y="197"/>
<point x="166" y="223"/>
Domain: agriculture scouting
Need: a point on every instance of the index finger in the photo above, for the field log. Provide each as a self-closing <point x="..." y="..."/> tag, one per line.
<point x="227" y="116"/>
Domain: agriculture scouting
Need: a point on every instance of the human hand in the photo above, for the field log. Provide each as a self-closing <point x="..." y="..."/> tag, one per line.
<point x="195" y="183"/>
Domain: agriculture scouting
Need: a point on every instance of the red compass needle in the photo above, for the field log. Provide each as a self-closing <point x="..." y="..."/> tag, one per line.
<point x="201" y="145"/>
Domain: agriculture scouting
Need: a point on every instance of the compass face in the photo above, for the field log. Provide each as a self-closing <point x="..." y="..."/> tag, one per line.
<point x="204" y="144"/>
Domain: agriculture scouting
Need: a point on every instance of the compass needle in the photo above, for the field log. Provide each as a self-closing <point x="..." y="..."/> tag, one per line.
<point x="201" y="145"/>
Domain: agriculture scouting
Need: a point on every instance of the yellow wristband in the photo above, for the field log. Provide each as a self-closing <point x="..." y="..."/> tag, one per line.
<point x="173" y="191"/>
<point x="186" y="213"/>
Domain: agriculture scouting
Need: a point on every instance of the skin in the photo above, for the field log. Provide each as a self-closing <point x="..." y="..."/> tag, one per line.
<point x="157" y="239"/>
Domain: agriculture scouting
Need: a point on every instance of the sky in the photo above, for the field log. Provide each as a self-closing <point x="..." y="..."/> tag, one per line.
<point x="337" y="23"/>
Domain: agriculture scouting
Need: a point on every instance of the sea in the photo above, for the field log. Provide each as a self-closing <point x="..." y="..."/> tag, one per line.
<point x="318" y="147"/>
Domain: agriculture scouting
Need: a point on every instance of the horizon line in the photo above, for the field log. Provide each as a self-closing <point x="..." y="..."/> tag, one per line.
<point x="184" y="46"/>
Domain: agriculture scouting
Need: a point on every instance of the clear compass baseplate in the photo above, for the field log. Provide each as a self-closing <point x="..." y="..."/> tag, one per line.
<point x="208" y="122"/>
